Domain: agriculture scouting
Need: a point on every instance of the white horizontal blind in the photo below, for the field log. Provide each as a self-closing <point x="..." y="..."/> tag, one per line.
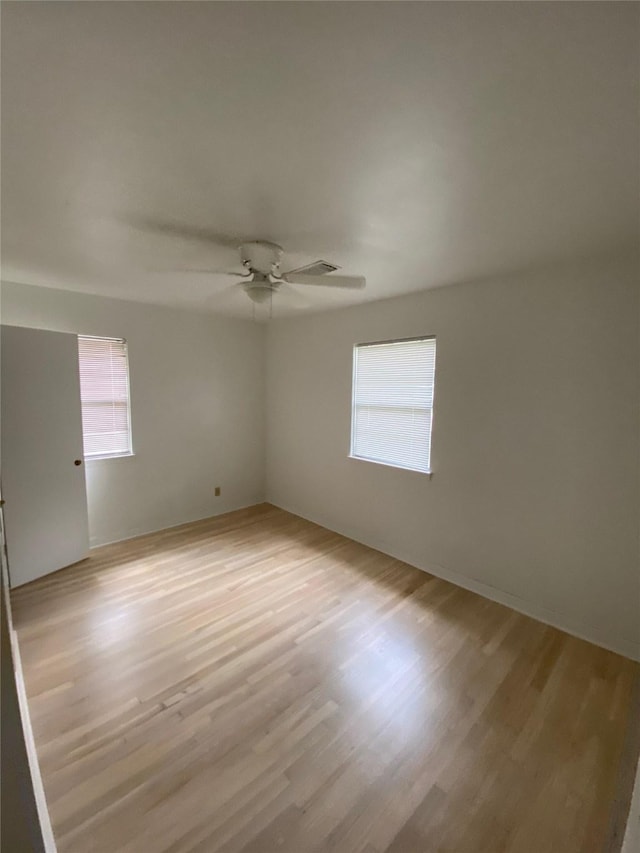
<point x="393" y="402"/>
<point x="104" y="391"/>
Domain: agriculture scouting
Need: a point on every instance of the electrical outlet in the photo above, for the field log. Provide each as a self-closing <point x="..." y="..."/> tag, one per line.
<point x="217" y="491"/>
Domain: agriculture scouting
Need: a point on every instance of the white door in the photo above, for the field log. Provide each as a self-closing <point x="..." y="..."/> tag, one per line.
<point x="42" y="461"/>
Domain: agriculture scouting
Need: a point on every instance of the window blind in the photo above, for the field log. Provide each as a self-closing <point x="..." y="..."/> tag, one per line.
<point x="104" y="392"/>
<point x="393" y="384"/>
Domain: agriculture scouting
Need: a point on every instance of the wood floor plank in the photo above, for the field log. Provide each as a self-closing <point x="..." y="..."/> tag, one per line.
<point x="256" y="683"/>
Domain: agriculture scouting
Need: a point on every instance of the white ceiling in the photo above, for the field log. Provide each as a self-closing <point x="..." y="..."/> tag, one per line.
<point x="419" y="144"/>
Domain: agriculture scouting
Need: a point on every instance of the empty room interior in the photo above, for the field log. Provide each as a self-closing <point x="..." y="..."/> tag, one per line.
<point x="320" y="447"/>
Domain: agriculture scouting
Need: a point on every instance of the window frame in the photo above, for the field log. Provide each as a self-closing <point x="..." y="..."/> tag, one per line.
<point x="97" y="457"/>
<point x="415" y="339"/>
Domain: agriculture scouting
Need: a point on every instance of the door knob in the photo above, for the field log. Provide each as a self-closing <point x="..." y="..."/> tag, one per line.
<point x="77" y="461"/>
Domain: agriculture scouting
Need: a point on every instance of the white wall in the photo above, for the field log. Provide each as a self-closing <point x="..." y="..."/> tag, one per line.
<point x="631" y="842"/>
<point x="534" y="499"/>
<point x="197" y="398"/>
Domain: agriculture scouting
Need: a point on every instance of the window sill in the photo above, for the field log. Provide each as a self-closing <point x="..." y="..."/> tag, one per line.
<point x="109" y="456"/>
<point x="428" y="474"/>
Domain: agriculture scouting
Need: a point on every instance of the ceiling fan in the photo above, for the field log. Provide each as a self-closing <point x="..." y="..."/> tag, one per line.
<point x="262" y="275"/>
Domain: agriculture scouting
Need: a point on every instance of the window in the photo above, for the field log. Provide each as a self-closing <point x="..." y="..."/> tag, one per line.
<point x="393" y="402"/>
<point x="104" y="392"/>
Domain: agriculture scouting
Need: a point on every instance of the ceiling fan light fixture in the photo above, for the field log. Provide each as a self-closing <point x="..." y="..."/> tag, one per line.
<point x="259" y="289"/>
<point x="258" y="294"/>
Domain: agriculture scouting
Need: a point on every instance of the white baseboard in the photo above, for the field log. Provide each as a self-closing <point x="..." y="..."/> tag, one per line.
<point x="135" y="532"/>
<point x="592" y="634"/>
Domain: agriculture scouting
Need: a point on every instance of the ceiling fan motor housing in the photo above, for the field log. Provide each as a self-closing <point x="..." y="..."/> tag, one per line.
<point x="261" y="256"/>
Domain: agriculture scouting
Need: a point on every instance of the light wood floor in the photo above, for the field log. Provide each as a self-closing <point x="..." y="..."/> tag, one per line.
<point x="254" y="682"/>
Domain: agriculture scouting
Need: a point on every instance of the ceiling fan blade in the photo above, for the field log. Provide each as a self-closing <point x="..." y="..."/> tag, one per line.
<point x="197" y="271"/>
<point x="189" y="232"/>
<point x="352" y="282"/>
